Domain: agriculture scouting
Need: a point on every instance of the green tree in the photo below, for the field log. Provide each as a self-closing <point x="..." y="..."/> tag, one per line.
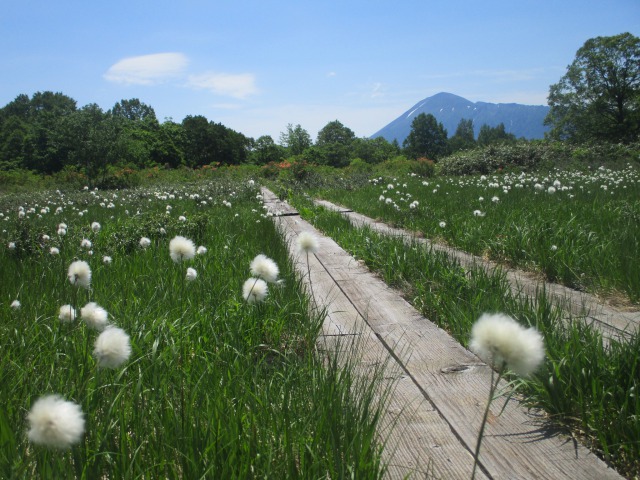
<point x="265" y="150"/>
<point x="135" y="111"/>
<point x="207" y="143"/>
<point x="138" y="128"/>
<point x="90" y="138"/>
<point x="295" y="139"/>
<point x="199" y="147"/>
<point x="373" y="150"/>
<point x="334" y="144"/>
<point x="464" y="138"/>
<point x="167" y="146"/>
<point x="599" y="96"/>
<point x="28" y="131"/>
<point x="427" y="139"/>
<point x="493" y="135"/>
<point x="13" y="137"/>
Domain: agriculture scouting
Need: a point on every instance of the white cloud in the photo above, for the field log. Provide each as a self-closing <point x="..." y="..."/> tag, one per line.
<point x="147" y="69"/>
<point x="233" y="85"/>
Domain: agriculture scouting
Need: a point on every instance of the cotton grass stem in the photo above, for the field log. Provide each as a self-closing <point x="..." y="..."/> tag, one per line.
<point x="495" y="380"/>
<point x="504" y="344"/>
<point x="308" y="243"/>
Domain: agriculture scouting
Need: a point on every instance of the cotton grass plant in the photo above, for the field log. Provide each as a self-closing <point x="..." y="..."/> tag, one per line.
<point x="586" y="385"/>
<point x="505" y="345"/>
<point x="264" y="270"/>
<point x="511" y="218"/>
<point x="55" y="422"/>
<point x="256" y="400"/>
<point x="307" y="243"/>
<point x="112" y="348"/>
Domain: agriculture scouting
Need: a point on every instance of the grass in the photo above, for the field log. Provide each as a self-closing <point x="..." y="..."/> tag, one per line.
<point x="214" y="388"/>
<point x="585" y="385"/>
<point x="566" y="236"/>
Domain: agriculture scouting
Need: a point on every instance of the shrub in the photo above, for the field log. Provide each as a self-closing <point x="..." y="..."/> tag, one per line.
<point x="119" y="178"/>
<point x="401" y="165"/>
<point x="528" y="156"/>
<point x="359" y="165"/>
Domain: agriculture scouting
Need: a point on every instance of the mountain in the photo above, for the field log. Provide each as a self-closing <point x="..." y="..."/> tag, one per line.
<point x="521" y="120"/>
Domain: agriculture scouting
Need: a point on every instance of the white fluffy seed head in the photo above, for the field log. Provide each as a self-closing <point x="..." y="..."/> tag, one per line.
<point x="67" y="313"/>
<point x="95" y="316"/>
<point x="55" y="422"/>
<point x="80" y="274"/>
<point x="502" y="342"/>
<point x="112" y="348"/>
<point x="181" y="248"/>
<point x="145" y="242"/>
<point x="191" y="274"/>
<point x="95" y="226"/>
<point x="265" y="268"/>
<point x="255" y="290"/>
<point x="307" y="243"/>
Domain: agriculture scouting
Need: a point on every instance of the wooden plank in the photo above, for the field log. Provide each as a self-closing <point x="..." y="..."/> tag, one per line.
<point x="452" y="382"/>
<point x="420" y="442"/>
<point x="613" y="323"/>
<point x="275" y="206"/>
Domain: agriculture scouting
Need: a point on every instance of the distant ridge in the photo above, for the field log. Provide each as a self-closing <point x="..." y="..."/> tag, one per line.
<point x="521" y="120"/>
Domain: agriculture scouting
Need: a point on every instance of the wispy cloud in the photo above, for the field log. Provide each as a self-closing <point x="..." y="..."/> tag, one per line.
<point x="228" y="84"/>
<point x="147" y="69"/>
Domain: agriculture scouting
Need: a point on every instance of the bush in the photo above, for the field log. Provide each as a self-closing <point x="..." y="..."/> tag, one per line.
<point x="424" y="167"/>
<point x="360" y="166"/>
<point x="270" y="171"/>
<point x="401" y="165"/>
<point x="119" y="178"/>
<point x="527" y="156"/>
<point x="16" y="179"/>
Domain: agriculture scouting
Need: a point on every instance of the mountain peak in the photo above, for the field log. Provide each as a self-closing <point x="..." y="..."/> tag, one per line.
<point x="521" y="120"/>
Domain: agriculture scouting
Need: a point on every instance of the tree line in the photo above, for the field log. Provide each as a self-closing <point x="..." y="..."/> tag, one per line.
<point x="598" y="99"/>
<point x="47" y="132"/>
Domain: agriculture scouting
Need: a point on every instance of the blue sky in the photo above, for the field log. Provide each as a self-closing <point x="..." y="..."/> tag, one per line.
<point x="256" y="66"/>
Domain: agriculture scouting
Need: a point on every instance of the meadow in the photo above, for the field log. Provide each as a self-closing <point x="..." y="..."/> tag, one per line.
<point x="580" y="228"/>
<point x="161" y="357"/>
<point x="223" y="377"/>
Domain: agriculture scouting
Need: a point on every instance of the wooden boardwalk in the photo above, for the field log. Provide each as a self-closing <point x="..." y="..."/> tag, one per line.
<point x="439" y="389"/>
<point x="612" y="322"/>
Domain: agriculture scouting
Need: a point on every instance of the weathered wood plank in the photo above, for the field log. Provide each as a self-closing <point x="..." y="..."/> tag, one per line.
<point x="440" y="374"/>
<point x="275" y="206"/>
<point x="421" y="443"/>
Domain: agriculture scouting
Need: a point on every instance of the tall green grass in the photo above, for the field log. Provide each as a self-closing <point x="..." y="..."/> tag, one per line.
<point x="586" y="385"/>
<point x="214" y="388"/>
<point x="586" y="235"/>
